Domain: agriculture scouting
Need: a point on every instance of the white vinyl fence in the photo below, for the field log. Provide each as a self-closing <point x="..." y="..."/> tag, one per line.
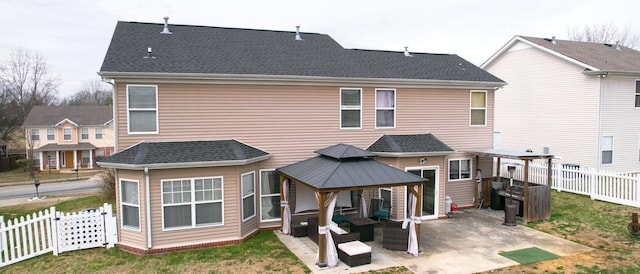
<point x="57" y="232"/>
<point x="614" y="187"/>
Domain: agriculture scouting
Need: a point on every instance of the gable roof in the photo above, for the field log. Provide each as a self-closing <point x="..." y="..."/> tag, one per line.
<point x="78" y="115"/>
<point x="596" y="58"/>
<point x="206" y="52"/>
<point x="182" y="154"/>
<point x="352" y="172"/>
<point x="409" y="145"/>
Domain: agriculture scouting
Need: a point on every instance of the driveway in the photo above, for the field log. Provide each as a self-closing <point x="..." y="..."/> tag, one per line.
<point x="467" y="243"/>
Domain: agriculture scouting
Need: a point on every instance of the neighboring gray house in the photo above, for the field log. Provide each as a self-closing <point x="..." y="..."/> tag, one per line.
<point x="577" y="100"/>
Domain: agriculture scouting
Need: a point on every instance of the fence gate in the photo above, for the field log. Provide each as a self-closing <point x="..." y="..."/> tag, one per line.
<point x="80" y="230"/>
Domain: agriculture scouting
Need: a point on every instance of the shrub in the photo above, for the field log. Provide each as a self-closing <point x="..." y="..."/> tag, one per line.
<point x="108" y="184"/>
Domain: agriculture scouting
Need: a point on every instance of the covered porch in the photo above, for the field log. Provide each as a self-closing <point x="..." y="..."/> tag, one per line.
<point x="56" y="156"/>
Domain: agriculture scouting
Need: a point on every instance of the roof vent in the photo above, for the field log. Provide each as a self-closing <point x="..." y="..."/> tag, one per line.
<point x="166" y="26"/>
<point x="406" y="52"/>
<point x="149" y="54"/>
<point x="553" y="40"/>
<point x="618" y="45"/>
<point x="298" y="38"/>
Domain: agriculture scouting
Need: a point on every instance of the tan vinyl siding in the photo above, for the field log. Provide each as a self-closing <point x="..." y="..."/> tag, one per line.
<point x="621" y="120"/>
<point x="128" y="236"/>
<point x="548" y="102"/>
<point x="291" y="122"/>
<point x="183" y="236"/>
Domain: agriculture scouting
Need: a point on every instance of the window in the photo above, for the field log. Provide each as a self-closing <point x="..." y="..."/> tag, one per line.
<point x="385" y="194"/>
<point x="66" y="134"/>
<point x="385" y="108"/>
<point x="98" y="133"/>
<point x="99" y="152"/>
<point x="35" y="134"/>
<point x="130" y="203"/>
<point x="248" y="195"/>
<point x="459" y="169"/>
<point x="638" y="93"/>
<point x="350" y="108"/>
<point x="478" y="110"/>
<point x="84" y="133"/>
<point x="85" y="156"/>
<point x="607" y="149"/>
<point x="269" y="195"/>
<point x="192" y="202"/>
<point x="51" y="134"/>
<point x="142" y="109"/>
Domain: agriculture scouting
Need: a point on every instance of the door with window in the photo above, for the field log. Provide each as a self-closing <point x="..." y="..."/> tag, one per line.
<point x="429" y="192"/>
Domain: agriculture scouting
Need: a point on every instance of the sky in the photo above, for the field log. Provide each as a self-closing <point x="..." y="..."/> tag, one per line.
<point x="73" y="35"/>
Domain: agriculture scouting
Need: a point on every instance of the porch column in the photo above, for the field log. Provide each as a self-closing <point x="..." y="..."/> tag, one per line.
<point x="476" y="167"/>
<point x="57" y="160"/>
<point x="322" y="222"/>
<point x="41" y="161"/>
<point x="90" y="158"/>
<point x="75" y="159"/>
<point x="498" y="170"/>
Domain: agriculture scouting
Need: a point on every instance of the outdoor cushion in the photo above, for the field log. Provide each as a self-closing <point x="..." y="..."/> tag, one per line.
<point x="354" y="248"/>
<point x="337" y="229"/>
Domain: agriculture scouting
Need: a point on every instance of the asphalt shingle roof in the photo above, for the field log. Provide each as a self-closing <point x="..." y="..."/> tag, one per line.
<point x="325" y="172"/>
<point x="185" y="152"/>
<point x="81" y="115"/>
<point x="601" y="56"/>
<point x="229" y="51"/>
<point x="409" y="143"/>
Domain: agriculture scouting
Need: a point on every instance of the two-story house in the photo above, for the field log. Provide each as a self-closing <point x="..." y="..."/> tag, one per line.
<point x="59" y="137"/>
<point x="576" y="100"/>
<point x="205" y="115"/>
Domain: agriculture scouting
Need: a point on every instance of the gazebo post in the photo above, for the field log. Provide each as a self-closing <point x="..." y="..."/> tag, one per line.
<point x="322" y="222"/>
<point x="525" y="204"/>
<point x="475" y="167"/>
<point x="498" y="170"/>
<point x="418" y="209"/>
<point x="281" y="199"/>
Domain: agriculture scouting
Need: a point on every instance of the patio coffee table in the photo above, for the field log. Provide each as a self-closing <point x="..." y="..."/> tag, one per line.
<point x="364" y="226"/>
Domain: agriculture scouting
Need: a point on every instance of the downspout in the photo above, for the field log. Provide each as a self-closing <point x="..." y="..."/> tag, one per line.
<point x="147" y="206"/>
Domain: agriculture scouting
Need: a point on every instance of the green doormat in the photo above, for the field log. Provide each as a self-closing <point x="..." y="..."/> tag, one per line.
<point x="529" y="255"/>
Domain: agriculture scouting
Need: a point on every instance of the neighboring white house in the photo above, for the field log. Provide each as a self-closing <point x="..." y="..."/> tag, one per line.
<point x="577" y="100"/>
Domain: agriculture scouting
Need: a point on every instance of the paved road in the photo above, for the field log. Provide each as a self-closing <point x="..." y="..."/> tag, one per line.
<point x="28" y="191"/>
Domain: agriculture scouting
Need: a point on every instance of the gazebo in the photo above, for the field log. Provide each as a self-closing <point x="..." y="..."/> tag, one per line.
<point x="346" y="167"/>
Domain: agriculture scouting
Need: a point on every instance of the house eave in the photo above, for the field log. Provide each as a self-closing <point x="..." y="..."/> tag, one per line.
<point x="412" y="154"/>
<point x="293" y="79"/>
<point x="183" y="165"/>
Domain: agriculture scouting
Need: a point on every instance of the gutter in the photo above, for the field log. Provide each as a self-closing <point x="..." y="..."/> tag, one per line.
<point x="412" y="154"/>
<point x="606" y="73"/>
<point x="183" y="165"/>
<point x="291" y="79"/>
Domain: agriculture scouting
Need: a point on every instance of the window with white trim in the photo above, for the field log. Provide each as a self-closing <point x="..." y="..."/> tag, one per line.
<point x="607" y="149"/>
<point x="478" y="108"/>
<point x="66" y="134"/>
<point x="248" y="195"/>
<point x="84" y="133"/>
<point x="142" y="108"/>
<point x="85" y="156"/>
<point x="192" y="202"/>
<point x="350" y="108"/>
<point x="459" y="169"/>
<point x="35" y="134"/>
<point x="269" y="195"/>
<point x="51" y="134"/>
<point x="385" y="193"/>
<point x="130" y="204"/>
<point x="637" y="93"/>
<point x="385" y="108"/>
<point x="98" y="133"/>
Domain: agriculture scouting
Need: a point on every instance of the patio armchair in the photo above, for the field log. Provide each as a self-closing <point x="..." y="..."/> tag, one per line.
<point x="381" y="210"/>
<point x="394" y="237"/>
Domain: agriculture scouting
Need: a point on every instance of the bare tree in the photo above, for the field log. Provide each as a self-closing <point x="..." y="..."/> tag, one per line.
<point x="607" y="33"/>
<point x="93" y="93"/>
<point x="25" y="82"/>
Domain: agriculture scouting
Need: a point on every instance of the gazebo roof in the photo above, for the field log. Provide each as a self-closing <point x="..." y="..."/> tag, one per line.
<point x="347" y="167"/>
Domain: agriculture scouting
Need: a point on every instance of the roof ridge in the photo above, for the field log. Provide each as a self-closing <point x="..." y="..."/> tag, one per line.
<point x="218" y="27"/>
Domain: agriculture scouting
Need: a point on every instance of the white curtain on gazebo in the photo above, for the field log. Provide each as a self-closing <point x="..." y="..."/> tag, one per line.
<point x="331" y="252"/>
<point x="286" y="217"/>
<point x="363" y="205"/>
<point x="412" y="247"/>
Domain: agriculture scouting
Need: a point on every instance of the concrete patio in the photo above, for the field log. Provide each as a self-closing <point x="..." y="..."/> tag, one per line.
<point x="448" y="246"/>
